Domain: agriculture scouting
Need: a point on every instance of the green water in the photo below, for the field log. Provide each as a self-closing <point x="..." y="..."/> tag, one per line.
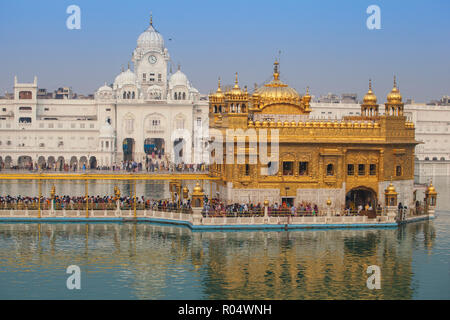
<point x="144" y="261"/>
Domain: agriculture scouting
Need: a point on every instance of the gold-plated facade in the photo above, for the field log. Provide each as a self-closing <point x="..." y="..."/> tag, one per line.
<point x="357" y="152"/>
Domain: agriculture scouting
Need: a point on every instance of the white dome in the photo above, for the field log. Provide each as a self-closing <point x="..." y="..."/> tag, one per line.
<point x="107" y="131"/>
<point x="126" y="77"/>
<point x="151" y="39"/>
<point x="178" y="79"/>
<point x="105" y="88"/>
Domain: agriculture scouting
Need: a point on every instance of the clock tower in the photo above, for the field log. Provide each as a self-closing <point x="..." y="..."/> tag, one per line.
<point x="150" y="60"/>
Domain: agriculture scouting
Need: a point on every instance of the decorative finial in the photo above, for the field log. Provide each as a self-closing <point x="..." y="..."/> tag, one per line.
<point x="128" y="66"/>
<point x="370" y="84"/>
<point x="236" y="85"/>
<point x="179" y="67"/>
<point x="218" y="86"/>
<point x="307" y="90"/>
<point x="151" y="18"/>
<point x="276" y="73"/>
<point x="395" y="81"/>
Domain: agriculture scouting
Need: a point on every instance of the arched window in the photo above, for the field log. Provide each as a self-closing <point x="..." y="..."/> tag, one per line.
<point x="184" y="95"/>
<point x="442" y="159"/>
<point x="124" y="95"/>
<point x="398" y="171"/>
<point x="330" y="170"/>
<point x="215" y="109"/>
<point x="175" y="96"/>
<point x="128" y="95"/>
<point x="243" y="108"/>
<point x="133" y="95"/>
<point x="427" y="158"/>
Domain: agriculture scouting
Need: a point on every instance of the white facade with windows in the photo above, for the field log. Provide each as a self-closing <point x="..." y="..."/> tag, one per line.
<point x="145" y="111"/>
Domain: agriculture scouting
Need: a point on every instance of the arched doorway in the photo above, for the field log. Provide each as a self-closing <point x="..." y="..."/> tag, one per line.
<point x="128" y="149"/>
<point x="154" y="146"/>
<point x="73" y="163"/>
<point x="51" y="162"/>
<point x="83" y="162"/>
<point x="60" y="163"/>
<point x="24" y="162"/>
<point x="8" y="162"/>
<point x="93" y="163"/>
<point x="361" y="197"/>
<point x="41" y="162"/>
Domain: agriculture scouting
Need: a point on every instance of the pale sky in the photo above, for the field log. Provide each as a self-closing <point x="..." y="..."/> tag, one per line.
<point x="324" y="44"/>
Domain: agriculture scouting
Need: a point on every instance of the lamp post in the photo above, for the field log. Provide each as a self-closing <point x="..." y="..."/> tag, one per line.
<point x="87" y="198"/>
<point x="329" y="207"/>
<point x="197" y="204"/>
<point x="52" y="195"/>
<point x="391" y="201"/>
<point x="39" y="200"/>
<point x="117" y="197"/>
<point x="134" y="199"/>
<point x="266" y="211"/>
<point x="430" y="199"/>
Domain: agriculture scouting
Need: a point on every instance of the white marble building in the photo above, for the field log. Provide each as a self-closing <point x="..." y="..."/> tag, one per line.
<point x="146" y="111"/>
<point x="432" y="125"/>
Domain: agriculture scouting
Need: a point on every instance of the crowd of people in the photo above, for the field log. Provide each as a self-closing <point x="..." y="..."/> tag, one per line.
<point x="211" y="207"/>
<point x="95" y="203"/>
<point x="149" y="166"/>
<point x="218" y="208"/>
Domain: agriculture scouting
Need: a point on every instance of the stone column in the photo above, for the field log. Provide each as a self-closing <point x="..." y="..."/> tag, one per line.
<point x="197" y="216"/>
<point x="266" y="211"/>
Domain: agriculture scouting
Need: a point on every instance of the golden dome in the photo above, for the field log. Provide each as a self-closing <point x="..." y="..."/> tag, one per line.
<point x="431" y="189"/>
<point x="218" y="95"/>
<point x="390" y="189"/>
<point x="394" y="96"/>
<point x="236" y="92"/>
<point x="276" y="91"/>
<point x="197" y="189"/>
<point x="370" y="98"/>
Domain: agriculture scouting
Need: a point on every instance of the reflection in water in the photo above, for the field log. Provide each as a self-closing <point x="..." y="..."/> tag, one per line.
<point x="143" y="261"/>
<point x="160" y="262"/>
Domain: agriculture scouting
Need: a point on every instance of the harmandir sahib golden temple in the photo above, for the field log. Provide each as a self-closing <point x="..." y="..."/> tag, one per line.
<point x="348" y="162"/>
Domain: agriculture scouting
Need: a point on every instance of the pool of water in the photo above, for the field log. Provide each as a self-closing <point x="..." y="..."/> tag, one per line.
<point x="145" y="261"/>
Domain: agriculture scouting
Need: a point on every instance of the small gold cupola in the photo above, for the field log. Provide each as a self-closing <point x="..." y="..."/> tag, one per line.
<point x="394" y="105"/>
<point x="236" y="99"/>
<point x="369" y="106"/>
<point x="394" y="96"/>
<point x="217" y="101"/>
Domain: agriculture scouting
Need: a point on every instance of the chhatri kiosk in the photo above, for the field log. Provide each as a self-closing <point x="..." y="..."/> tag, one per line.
<point x="348" y="162"/>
